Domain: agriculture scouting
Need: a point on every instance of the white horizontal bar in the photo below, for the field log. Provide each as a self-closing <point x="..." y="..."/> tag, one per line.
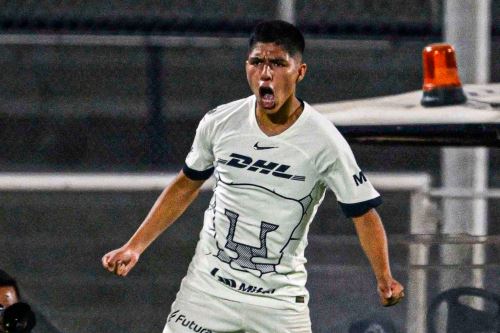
<point x="405" y="109"/>
<point x="158" y="181"/>
<point x="86" y="182"/>
<point x="464" y="193"/>
<point x="400" y="181"/>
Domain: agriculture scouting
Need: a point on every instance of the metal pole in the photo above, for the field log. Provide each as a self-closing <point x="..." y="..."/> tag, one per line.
<point x="467" y="27"/>
<point x="286" y="10"/>
<point x="423" y="222"/>
<point x="417" y="288"/>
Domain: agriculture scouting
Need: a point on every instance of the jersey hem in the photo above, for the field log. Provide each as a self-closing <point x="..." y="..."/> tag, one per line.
<point x="205" y="286"/>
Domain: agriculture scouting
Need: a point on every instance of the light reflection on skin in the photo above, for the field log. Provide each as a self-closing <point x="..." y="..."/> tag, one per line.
<point x="8" y="296"/>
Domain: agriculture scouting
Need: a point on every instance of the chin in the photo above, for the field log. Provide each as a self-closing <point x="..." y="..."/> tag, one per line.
<point x="272" y="110"/>
<point x="268" y="110"/>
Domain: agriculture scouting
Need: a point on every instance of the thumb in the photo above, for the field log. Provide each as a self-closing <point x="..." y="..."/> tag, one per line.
<point x="391" y="292"/>
<point x="387" y="293"/>
<point x="106" y="259"/>
<point x="385" y="290"/>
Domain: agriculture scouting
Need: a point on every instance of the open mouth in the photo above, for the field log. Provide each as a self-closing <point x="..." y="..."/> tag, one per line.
<point x="267" y="97"/>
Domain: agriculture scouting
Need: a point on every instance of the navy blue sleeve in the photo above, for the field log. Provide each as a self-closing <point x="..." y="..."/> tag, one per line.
<point x="197" y="175"/>
<point x="359" y="208"/>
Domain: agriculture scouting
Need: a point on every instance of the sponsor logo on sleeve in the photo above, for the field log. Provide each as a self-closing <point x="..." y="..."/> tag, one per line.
<point x="360" y="178"/>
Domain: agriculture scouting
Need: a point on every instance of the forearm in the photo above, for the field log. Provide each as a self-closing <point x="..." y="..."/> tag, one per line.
<point x="169" y="206"/>
<point x="373" y="240"/>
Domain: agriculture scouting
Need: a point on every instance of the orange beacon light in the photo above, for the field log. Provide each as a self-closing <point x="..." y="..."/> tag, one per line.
<point x="442" y="85"/>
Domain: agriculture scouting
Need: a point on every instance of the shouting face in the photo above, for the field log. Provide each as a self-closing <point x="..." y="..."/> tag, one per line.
<point x="273" y="74"/>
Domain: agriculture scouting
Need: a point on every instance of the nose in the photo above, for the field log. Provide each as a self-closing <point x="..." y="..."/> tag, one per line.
<point x="266" y="72"/>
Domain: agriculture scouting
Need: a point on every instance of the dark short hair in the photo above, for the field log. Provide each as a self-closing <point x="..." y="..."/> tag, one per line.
<point x="8" y="281"/>
<point x="279" y="32"/>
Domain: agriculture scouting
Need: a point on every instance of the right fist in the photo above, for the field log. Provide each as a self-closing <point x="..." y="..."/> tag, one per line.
<point x="120" y="261"/>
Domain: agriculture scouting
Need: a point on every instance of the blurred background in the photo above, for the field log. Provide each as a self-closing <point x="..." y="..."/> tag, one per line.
<point x="116" y="89"/>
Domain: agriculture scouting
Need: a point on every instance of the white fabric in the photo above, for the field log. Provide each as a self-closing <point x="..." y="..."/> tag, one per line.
<point x="267" y="191"/>
<point x="196" y="312"/>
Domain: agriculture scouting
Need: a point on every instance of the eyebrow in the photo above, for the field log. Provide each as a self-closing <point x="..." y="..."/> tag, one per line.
<point x="274" y="60"/>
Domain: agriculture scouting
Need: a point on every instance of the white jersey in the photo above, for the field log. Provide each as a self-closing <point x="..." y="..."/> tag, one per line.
<point x="251" y="247"/>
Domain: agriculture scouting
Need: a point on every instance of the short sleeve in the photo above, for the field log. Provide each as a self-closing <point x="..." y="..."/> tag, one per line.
<point x="339" y="170"/>
<point x="199" y="161"/>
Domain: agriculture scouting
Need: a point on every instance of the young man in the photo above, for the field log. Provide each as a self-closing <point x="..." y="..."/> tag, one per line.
<point x="273" y="156"/>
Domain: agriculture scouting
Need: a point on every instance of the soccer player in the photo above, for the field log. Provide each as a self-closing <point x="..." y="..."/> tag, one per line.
<point x="273" y="156"/>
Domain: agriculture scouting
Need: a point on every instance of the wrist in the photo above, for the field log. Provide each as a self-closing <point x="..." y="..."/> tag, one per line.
<point x="134" y="246"/>
<point x="383" y="276"/>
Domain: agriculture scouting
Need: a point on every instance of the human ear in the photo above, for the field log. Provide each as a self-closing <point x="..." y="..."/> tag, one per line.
<point x="302" y="72"/>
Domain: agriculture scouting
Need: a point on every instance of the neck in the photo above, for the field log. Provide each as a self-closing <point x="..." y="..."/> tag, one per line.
<point x="277" y="122"/>
<point x="289" y="111"/>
